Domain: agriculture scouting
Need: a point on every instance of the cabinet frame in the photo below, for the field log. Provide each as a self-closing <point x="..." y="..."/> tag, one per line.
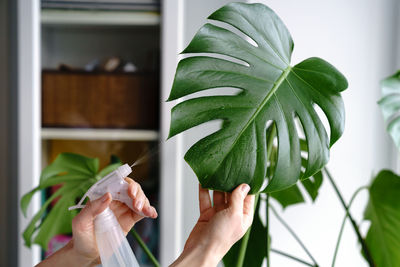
<point x="30" y="131"/>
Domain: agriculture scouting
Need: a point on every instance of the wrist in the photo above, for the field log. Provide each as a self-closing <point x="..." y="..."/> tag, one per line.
<point x="199" y="256"/>
<point x="67" y="256"/>
<point x="78" y="258"/>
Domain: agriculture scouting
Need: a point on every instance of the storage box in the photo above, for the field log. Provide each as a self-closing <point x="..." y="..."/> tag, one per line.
<point x="100" y="100"/>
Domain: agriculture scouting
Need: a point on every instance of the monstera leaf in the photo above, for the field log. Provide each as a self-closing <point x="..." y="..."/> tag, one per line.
<point x="256" y="60"/>
<point x="293" y="195"/>
<point x="383" y="211"/>
<point x="390" y="105"/>
<point x="76" y="173"/>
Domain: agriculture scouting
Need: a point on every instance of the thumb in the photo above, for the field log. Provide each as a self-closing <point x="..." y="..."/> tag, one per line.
<point x="238" y="196"/>
<point x="87" y="215"/>
<point x="98" y="206"/>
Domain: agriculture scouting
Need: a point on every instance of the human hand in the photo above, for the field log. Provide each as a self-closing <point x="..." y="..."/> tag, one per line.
<point x="219" y="226"/>
<point x="82" y="249"/>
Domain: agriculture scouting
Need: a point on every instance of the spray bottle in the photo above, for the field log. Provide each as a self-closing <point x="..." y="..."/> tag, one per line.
<point x="111" y="242"/>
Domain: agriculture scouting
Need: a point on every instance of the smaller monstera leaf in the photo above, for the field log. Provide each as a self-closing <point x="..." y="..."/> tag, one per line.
<point x="76" y="174"/>
<point x="383" y="211"/>
<point x="271" y="90"/>
<point x="293" y="195"/>
<point x="390" y="105"/>
<point x="256" y="246"/>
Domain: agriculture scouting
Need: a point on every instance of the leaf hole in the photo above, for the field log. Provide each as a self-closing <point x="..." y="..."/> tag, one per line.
<point x="220" y="56"/>
<point x="303" y="144"/>
<point x="324" y="119"/>
<point x="236" y="31"/>
<point x="225" y="91"/>
<point x="273" y="157"/>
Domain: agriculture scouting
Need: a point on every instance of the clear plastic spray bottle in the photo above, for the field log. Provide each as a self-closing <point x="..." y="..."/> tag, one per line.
<point x="111" y="242"/>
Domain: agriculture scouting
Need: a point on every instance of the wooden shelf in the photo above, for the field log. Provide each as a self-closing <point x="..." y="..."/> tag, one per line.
<point x="99" y="134"/>
<point x="98" y="18"/>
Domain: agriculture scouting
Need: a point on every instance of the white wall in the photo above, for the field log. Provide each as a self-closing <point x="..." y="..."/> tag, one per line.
<point x="195" y="14"/>
<point x="358" y="38"/>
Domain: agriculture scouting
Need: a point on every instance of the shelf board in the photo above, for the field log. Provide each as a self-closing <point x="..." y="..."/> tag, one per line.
<point x="99" y="18"/>
<point x="99" y="134"/>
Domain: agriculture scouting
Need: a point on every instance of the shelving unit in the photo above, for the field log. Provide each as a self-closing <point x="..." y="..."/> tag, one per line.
<point x="177" y="23"/>
<point x="98" y="18"/>
<point x="86" y="108"/>
<point x="99" y="134"/>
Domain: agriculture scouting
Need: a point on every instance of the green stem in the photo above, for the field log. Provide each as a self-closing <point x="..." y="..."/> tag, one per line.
<point x="243" y="247"/>
<point x="293" y="234"/>
<point x="267" y="222"/>
<point x="245" y="240"/>
<point x="270" y="144"/>
<point x="145" y="248"/>
<point x="292" y="257"/>
<point x="344" y="223"/>
<point x="364" y="246"/>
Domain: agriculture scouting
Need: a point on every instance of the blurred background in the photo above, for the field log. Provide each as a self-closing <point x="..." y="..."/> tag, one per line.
<point x="91" y="77"/>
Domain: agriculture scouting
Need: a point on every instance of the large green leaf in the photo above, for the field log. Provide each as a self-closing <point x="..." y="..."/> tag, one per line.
<point x="271" y="90"/>
<point x="383" y="211"/>
<point x="76" y="173"/>
<point x="390" y="105"/>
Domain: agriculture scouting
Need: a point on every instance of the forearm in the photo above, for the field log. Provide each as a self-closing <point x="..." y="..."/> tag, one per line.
<point x="67" y="257"/>
<point x="197" y="257"/>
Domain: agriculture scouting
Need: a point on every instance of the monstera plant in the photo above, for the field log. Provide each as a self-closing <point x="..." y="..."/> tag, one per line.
<point x="271" y="136"/>
<point x="270" y="133"/>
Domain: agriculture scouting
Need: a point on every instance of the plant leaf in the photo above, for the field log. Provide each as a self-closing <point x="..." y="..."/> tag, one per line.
<point x="289" y="196"/>
<point x="293" y="195"/>
<point x="58" y="220"/>
<point x="390" y="105"/>
<point x="31" y="228"/>
<point x="76" y="173"/>
<point x="54" y="180"/>
<point x="272" y="90"/>
<point x="71" y="163"/>
<point x="383" y="211"/>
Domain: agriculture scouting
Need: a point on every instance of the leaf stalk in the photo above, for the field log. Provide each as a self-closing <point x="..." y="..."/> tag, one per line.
<point x="270" y="145"/>
<point x="282" y="221"/>
<point x="245" y="240"/>
<point x="364" y="246"/>
<point x="267" y="226"/>
<point x="145" y="248"/>
<point x="343" y="223"/>
<point x="292" y="257"/>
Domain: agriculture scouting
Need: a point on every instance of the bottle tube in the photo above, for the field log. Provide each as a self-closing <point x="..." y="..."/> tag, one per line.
<point x="112" y="244"/>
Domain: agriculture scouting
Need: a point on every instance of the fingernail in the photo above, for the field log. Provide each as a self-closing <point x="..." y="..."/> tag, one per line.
<point x="245" y="188"/>
<point x="104" y="198"/>
<point x="139" y="205"/>
<point x="134" y="191"/>
<point x="155" y="212"/>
